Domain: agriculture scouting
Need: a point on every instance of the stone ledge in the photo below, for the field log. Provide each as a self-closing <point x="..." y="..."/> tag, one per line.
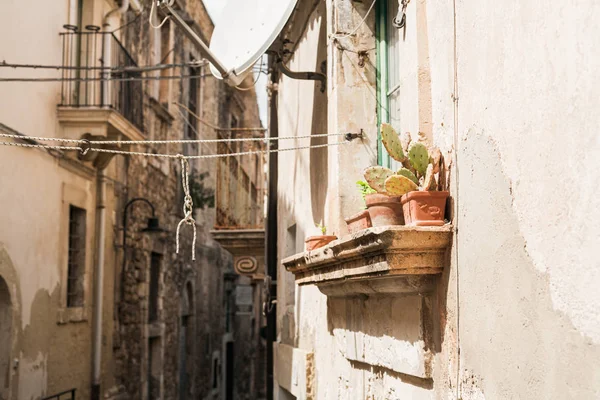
<point x="294" y="370"/>
<point x="98" y="121"/>
<point x="392" y="259"/>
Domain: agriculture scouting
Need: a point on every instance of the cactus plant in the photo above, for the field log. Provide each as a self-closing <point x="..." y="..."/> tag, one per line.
<point x="391" y="142"/>
<point x="408" y="173"/>
<point x="398" y="185"/>
<point x="419" y="167"/>
<point x="376" y="176"/>
<point x="419" y="157"/>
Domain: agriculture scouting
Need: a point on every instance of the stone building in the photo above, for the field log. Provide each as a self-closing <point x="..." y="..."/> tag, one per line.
<point x="505" y="304"/>
<point x="93" y="298"/>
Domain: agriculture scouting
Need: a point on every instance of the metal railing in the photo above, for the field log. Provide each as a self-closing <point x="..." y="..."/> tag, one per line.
<point x="66" y="395"/>
<point x="89" y="82"/>
<point x="241" y="188"/>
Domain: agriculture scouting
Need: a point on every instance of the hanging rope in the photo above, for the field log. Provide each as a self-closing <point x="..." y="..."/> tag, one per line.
<point x="188" y="205"/>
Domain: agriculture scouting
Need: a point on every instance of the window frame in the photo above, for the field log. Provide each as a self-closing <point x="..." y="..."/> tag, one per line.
<point x="381" y="49"/>
<point x="76" y="264"/>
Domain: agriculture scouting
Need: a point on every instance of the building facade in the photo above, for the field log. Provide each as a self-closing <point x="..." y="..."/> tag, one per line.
<point x="94" y="298"/>
<point x="506" y="308"/>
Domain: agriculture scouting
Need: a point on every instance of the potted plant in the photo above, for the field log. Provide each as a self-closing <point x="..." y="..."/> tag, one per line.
<point x="384" y="208"/>
<point x="314" y="242"/>
<point x="423" y="198"/>
<point x="361" y="220"/>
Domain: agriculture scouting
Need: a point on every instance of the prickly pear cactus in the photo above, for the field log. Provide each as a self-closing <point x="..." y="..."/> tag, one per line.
<point x="398" y="185"/>
<point x="408" y="173"/>
<point x="419" y="157"/>
<point x="429" y="183"/>
<point x="376" y="176"/>
<point x="392" y="144"/>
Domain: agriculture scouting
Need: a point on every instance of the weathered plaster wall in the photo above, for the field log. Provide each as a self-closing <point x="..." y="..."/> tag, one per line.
<point x="526" y="144"/>
<point x="314" y="186"/>
<point x="519" y="297"/>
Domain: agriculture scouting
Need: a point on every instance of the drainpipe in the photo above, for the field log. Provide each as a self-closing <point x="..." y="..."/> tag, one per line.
<point x="271" y="229"/>
<point x="99" y="283"/>
<point x="107" y="47"/>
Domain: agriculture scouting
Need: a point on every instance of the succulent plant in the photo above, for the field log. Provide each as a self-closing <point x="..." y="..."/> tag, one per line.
<point x="398" y="185"/>
<point x="376" y="176"/>
<point x="392" y="143"/>
<point x="419" y="167"/>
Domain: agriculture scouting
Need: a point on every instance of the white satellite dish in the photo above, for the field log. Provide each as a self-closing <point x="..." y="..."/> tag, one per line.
<point x="245" y="31"/>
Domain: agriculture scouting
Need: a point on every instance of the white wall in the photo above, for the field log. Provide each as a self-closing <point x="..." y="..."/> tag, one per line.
<point x="520" y="296"/>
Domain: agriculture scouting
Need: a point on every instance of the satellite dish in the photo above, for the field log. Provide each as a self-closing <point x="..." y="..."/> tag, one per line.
<point x="245" y="31"/>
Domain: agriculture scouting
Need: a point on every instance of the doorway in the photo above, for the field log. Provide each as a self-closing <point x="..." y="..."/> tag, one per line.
<point x="5" y="338"/>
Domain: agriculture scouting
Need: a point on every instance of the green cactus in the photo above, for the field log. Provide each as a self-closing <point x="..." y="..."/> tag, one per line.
<point x="419" y="157"/>
<point x="398" y="185"/>
<point x="376" y="176"/>
<point x="391" y="141"/>
<point x="408" y="173"/>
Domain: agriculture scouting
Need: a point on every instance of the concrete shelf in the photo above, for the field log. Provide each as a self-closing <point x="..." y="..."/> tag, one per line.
<point x="391" y="260"/>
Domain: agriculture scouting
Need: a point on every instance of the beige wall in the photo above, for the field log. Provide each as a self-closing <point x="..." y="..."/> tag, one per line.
<point x="51" y="344"/>
<point x="519" y="297"/>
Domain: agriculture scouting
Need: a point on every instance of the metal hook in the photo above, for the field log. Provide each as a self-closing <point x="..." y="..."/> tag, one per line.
<point x="399" y="21"/>
<point x="85" y="146"/>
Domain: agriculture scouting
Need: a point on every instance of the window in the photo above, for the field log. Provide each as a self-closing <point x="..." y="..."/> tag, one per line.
<point x="155" y="262"/>
<point x="388" y="79"/>
<point x="165" y="58"/>
<point x="76" y="257"/>
<point x="191" y="127"/>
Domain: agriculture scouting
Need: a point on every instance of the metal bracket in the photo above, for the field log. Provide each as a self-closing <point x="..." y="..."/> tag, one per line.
<point x="351" y="136"/>
<point x="304" y="75"/>
<point x="229" y="76"/>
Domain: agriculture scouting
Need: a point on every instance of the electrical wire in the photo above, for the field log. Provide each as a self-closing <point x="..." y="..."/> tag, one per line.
<point x="214" y="126"/>
<point x="108" y="69"/>
<point x="127" y="79"/>
<point x="336" y="36"/>
<point x="152" y="11"/>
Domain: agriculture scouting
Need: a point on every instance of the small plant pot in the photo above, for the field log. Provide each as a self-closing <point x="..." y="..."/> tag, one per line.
<point x="314" y="242"/>
<point x="384" y="210"/>
<point x="358" y="222"/>
<point x="424" y="208"/>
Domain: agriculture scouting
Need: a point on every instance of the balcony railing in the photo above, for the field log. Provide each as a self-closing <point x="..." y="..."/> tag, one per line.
<point x="241" y="187"/>
<point x="66" y="395"/>
<point x="89" y="82"/>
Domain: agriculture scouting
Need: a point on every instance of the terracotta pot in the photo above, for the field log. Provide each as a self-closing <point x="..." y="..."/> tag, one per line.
<point x="358" y="222"/>
<point x="314" y="242"/>
<point x="384" y="210"/>
<point x="424" y="208"/>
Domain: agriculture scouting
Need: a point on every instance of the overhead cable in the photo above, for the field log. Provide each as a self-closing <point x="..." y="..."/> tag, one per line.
<point x="86" y="146"/>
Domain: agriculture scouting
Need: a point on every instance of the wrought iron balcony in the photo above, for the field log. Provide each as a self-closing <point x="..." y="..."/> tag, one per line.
<point x="90" y="81"/>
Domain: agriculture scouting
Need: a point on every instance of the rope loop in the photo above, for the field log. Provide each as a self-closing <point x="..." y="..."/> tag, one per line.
<point x="188" y="204"/>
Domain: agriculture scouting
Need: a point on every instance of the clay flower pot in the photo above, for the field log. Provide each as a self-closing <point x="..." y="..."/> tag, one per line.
<point x="424" y="208"/>
<point x="358" y="222"/>
<point x="384" y="210"/>
<point x="314" y="242"/>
